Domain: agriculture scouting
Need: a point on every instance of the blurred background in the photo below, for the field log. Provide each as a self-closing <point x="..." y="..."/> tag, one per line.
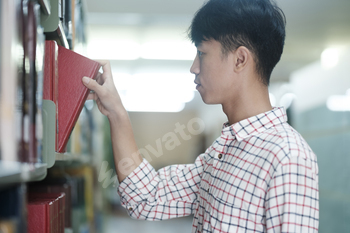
<point x="147" y="44"/>
<point x="151" y="55"/>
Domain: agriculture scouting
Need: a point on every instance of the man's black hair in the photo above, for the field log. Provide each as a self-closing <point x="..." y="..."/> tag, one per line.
<point x="259" y="25"/>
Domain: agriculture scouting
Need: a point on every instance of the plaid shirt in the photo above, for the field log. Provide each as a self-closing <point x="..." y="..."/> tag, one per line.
<point x="259" y="176"/>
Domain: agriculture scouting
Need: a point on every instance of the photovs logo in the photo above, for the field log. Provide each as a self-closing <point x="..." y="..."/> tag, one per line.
<point x="167" y="142"/>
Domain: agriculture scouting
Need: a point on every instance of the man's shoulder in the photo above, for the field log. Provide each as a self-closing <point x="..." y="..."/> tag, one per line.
<point x="288" y="143"/>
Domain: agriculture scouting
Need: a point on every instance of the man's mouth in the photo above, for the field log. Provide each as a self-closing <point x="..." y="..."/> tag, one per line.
<point x="198" y="84"/>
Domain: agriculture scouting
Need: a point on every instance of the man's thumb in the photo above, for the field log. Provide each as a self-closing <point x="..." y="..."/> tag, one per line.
<point x="86" y="81"/>
<point x="91" y="84"/>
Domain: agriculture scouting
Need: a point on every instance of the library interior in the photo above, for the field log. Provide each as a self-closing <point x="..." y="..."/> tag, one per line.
<point x="57" y="171"/>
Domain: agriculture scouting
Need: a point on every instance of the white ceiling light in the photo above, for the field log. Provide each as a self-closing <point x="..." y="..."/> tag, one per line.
<point x="330" y="58"/>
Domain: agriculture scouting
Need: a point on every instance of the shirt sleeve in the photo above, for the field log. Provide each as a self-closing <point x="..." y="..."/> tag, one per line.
<point x="292" y="202"/>
<point x="171" y="192"/>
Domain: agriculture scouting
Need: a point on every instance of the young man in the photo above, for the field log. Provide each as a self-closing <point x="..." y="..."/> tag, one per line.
<point x="259" y="175"/>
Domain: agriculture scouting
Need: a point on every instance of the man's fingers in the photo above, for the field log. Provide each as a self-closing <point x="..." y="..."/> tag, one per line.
<point x="106" y="67"/>
<point x="92" y="96"/>
<point x="100" y="79"/>
<point x="92" y="84"/>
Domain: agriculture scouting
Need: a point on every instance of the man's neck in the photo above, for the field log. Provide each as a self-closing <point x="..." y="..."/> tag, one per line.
<point x="251" y="103"/>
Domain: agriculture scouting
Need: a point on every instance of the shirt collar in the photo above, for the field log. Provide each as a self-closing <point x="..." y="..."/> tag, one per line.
<point x="256" y="124"/>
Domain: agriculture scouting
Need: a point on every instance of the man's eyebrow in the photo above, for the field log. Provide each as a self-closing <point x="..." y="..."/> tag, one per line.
<point x="198" y="44"/>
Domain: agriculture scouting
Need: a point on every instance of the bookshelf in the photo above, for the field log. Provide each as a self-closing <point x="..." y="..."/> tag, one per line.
<point x="12" y="172"/>
<point x="9" y="41"/>
<point x="29" y="162"/>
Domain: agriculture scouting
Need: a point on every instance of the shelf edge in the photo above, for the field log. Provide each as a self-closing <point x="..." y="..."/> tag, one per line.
<point x="45" y="7"/>
<point x="18" y="172"/>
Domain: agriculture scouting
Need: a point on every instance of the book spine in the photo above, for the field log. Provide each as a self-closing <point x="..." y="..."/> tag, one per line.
<point x="55" y="88"/>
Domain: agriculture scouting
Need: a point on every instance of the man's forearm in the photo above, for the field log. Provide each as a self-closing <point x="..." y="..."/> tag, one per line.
<point x="125" y="151"/>
<point x="126" y="155"/>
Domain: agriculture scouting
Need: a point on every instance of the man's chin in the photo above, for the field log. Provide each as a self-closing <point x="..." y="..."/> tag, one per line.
<point x="207" y="100"/>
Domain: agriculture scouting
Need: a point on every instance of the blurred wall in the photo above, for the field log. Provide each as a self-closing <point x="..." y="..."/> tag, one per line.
<point x="159" y="135"/>
<point x="328" y="134"/>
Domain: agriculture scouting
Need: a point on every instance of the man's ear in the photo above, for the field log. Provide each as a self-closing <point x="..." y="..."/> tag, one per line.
<point x="242" y="57"/>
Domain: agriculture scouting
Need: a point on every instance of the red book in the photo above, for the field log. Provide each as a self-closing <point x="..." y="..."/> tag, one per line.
<point x="57" y="188"/>
<point x="50" y="90"/>
<point x="40" y="216"/>
<point x="72" y="93"/>
<point x="58" y="200"/>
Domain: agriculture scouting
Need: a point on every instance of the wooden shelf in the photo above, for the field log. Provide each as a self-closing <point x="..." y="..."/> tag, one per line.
<point x="16" y="172"/>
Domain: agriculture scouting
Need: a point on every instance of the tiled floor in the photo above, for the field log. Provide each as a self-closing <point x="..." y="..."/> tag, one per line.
<point x="122" y="223"/>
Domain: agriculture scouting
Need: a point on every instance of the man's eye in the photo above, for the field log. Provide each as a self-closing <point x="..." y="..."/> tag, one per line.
<point x="199" y="53"/>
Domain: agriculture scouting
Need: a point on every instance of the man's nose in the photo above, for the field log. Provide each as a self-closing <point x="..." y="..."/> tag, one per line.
<point x="195" y="68"/>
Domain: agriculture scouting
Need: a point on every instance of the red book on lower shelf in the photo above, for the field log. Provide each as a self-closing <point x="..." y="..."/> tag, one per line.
<point x="40" y="216"/>
<point x="57" y="214"/>
<point x="65" y="188"/>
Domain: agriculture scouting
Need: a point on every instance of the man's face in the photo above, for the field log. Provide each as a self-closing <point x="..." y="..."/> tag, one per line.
<point x="214" y="73"/>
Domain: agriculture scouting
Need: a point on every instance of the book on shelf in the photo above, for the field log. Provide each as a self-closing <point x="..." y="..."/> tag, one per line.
<point x="80" y="142"/>
<point x="46" y="211"/>
<point x="61" y="9"/>
<point x="65" y="23"/>
<point x="30" y="85"/>
<point x="86" y="189"/>
<point x="72" y="67"/>
<point x="68" y="27"/>
<point x="11" y="96"/>
<point x="75" y="144"/>
<point x="78" y="26"/>
<point x="78" y="202"/>
<point x="53" y="23"/>
<point x="41" y="216"/>
<point x="50" y="91"/>
<point x="72" y="94"/>
<point x="57" y="186"/>
<point x="20" y="47"/>
<point x="21" y="95"/>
